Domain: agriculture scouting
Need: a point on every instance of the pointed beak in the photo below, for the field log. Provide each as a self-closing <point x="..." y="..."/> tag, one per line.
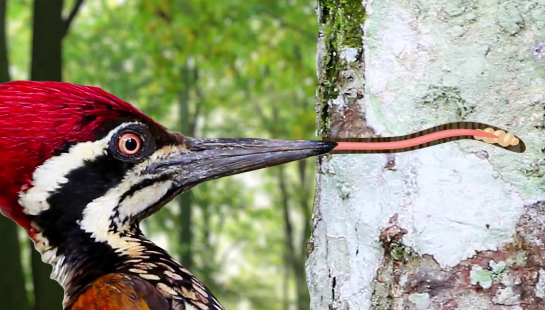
<point x="201" y="160"/>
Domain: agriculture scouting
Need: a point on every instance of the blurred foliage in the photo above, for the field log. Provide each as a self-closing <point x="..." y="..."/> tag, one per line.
<point x="236" y="69"/>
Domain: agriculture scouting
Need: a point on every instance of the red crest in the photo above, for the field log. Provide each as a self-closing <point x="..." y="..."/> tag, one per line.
<point x="39" y="118"/>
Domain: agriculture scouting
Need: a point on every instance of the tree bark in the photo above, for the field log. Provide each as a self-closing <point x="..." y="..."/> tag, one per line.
<point x="46" y="65"/>
<point x="454" y="226"/>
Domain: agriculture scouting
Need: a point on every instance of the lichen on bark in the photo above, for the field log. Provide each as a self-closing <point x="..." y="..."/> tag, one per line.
<point x="508" y="278"/>
<point x="424" y="63"/>
<point x="341" y="34"/>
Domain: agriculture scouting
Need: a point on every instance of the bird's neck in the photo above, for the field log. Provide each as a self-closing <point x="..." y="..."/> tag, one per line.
<point x="82" y="260"/>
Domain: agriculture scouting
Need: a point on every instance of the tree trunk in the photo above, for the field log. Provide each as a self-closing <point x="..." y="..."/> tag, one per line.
<point x="13" y="293"/>
<point x="455" y="226"/>
<point x="185" y="201"/>
<point x="4" y="62"/>
<point x="294" y="259"/>
<point x="47" y="33"/>
<point x="185" y="231"/>
<point x="48" y="29"/>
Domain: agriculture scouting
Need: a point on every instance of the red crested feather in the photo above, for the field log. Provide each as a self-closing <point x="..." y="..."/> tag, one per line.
<point x="38" y="118"/>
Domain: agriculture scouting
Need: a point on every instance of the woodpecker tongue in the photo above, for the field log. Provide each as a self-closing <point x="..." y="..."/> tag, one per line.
<point x="209" y="159"/>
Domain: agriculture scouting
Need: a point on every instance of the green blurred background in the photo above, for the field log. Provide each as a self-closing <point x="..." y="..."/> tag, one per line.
<point x="208" y="68"/>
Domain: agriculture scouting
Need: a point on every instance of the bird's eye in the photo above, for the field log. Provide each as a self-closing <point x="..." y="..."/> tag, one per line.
<point x="129" y="144"/>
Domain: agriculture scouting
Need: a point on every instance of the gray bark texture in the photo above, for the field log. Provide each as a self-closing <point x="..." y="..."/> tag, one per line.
<point x="455" y="226"/>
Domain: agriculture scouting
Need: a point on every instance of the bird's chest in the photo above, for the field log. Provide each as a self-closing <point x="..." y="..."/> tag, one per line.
<point x="119" y="291"/>
<point x="150" y="282"/>
<point x="176" y="284"/>
<point x="127" y="292"/>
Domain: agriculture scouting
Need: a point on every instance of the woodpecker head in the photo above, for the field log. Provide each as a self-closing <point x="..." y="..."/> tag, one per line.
<point x="78" y="161"/>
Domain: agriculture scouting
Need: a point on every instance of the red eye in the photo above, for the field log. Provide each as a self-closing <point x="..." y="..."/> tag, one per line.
<point x="129" y="144"/>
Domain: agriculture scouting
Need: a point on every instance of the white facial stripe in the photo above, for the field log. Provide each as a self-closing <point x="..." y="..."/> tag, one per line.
<point x="98" y="215"/>
<point x="51" y="175"/>
<point x="143" y="198"/>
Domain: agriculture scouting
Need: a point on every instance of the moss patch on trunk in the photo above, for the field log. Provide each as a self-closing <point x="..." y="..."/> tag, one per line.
<point x="341" y="24"/>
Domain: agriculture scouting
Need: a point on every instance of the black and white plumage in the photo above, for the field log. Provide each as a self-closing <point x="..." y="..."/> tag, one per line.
<point x="86" y="167"/>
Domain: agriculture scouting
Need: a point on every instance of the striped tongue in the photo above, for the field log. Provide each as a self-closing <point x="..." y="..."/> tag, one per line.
<point x="430" y="137"/>
<point x="396" y="145"/>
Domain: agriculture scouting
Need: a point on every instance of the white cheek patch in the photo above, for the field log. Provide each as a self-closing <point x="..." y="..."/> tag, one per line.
<point x="143" y="199"/>
<point x="51" y="175"/>
<point x="99" y="214"/>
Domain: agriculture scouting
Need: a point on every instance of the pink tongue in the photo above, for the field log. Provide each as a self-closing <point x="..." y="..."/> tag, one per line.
<point x="395" y="145"/>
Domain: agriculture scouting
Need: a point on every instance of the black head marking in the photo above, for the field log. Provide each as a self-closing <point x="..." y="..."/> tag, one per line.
<point x="85" y="184"/>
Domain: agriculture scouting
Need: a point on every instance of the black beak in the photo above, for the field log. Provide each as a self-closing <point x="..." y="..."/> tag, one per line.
<point x="200" y="160"/>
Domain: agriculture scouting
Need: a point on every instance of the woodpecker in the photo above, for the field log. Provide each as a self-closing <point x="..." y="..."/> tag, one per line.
<point x="81" y="168"/>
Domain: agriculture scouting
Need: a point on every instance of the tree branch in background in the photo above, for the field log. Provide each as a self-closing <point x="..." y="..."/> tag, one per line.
<point x="285" y="211"/>
<point x="297" y="262"/>
<point x="304" y="205"/>
<point x="71" y="17"/>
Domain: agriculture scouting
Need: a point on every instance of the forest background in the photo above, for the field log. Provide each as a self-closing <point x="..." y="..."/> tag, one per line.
<point x="239" y="68"/>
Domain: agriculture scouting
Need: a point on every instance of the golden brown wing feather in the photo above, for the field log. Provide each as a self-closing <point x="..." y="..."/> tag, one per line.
<point x="120" y="292"/>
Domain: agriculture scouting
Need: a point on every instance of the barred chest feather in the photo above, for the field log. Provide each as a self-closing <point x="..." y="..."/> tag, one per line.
<point x="138" y="258"/>
<point x="170" y="278"/>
